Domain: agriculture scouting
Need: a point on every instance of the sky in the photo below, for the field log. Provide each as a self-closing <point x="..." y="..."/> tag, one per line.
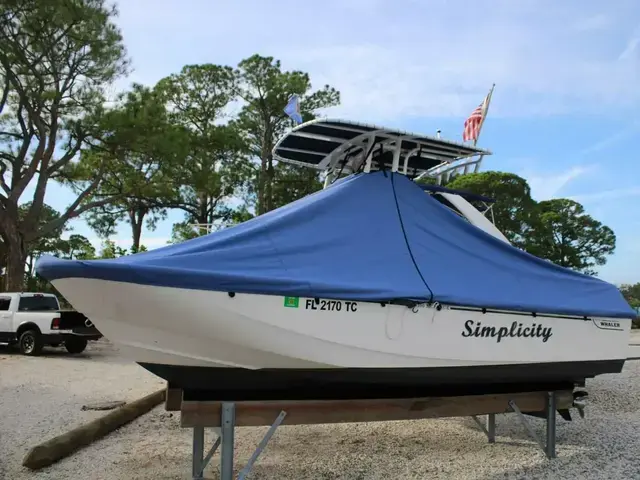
<point x="563" y="114"/>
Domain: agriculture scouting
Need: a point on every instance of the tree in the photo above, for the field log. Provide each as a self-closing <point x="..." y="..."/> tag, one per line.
<point x="426" y="180"/>
<point x="564" y="234"/>
<point x="514" y="206"/>
<point x="146" y="149"/>
<point x="214" y="169"/>
<point x="55" y="60"/>
<point x="111" y="250"/>
<point x="3" y="261"/>
<point x="77" y="247"/>
<point x="183" y="231"/>
<point x="557" y="230"/>
<point x="631" y="294"/>
<point x="291" y="182"/>
<point x="266" y="89"/>
<point x="51" y="243"/>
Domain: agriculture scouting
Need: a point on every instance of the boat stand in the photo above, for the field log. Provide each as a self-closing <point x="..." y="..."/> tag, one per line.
<point x="225" y="440"/>
<point x="549" y="448"/>
<point x="224" y="416"/>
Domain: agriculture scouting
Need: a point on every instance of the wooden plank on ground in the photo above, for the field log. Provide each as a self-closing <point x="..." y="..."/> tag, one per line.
<point x="52" y="450"/>
<point x="255" y="413"/>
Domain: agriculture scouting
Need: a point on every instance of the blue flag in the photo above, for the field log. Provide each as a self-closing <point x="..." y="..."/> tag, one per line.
<point x="293" y="109"/>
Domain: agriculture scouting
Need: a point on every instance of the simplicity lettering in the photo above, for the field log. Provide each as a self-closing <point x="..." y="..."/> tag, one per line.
<point x="476" y="329"/>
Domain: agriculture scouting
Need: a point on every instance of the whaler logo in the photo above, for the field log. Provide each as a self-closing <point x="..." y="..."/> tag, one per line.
<point x="476" y="329"/>
<point x="607" y="324"/>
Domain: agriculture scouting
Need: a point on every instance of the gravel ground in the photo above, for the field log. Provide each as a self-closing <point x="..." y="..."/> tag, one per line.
<point x="42" y="397"/>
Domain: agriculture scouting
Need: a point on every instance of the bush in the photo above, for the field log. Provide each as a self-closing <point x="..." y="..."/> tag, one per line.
<point x="635" y="323"/>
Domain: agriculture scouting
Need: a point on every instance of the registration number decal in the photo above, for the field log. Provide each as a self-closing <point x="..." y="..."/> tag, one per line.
<point x="331" y="305"/>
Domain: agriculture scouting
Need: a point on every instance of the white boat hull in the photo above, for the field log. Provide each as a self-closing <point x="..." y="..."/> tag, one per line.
<point x="203" y="328"/>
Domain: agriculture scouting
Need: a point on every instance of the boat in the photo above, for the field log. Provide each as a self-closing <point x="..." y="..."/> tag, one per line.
<point x="376" y="286"/>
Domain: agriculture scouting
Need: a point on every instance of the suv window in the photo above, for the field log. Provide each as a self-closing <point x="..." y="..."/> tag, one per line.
<point x="5" y="302"/>
<point x="37" y="303"/>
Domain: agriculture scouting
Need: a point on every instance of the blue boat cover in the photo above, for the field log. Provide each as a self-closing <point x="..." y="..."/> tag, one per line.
<point x="370" y="237"/>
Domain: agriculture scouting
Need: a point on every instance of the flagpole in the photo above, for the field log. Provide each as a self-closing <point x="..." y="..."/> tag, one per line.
<point x="486" y="111"/>
<point x="476" y="167"/>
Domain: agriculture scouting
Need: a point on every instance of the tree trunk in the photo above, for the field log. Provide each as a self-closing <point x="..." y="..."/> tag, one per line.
<point x="262" y="176"/>
<point x="265" y="185"/>
<point x="203" y="208"/>
<point x="3" y="262"/>
<point x="266" y="170"/>
<point x="136" y="217"/>
<point x="268" y="190"/>
<point x="15" y="260"/>
<point x="136" y="233"/>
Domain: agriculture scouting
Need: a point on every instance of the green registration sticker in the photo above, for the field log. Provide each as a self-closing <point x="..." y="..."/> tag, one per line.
<point x="292" y="302"/>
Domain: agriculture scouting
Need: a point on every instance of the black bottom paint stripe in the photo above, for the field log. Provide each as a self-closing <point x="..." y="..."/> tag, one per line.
<point x="205" y="383"/>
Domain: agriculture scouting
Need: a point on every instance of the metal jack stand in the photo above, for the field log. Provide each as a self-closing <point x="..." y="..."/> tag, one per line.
<point x="224" y="416"/>
<point x="490" y="428"/>
<point x="550" y="448"/>
<point x="226" y="441"/>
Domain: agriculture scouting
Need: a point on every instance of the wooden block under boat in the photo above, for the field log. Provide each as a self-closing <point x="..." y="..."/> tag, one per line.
<point x="260" y="413"/>
<point x="172" y="399"/>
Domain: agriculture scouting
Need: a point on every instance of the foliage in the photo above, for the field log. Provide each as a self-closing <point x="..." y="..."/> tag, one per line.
<point x="514" y="206"/>
<point x="178" y="145"/>
<point x="77" y="247"/>
<point x="631" y="294"/>
<point x="111" y="250"/>
<point x="51" y="243"/>
<point x="265" y="89"/>
<point x="291" y="183"/>
<point x="146" y="148"/>
<point x="214" y="168"/>
<point x="183" y="231"/>
<point x="558" y="230"/>
<point x="427" y="181"/>
<point x="56" y="58"/>
<point x="564" y="234"/>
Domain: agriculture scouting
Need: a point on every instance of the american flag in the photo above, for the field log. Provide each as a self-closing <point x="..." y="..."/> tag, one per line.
<point x="474" y="122"/>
